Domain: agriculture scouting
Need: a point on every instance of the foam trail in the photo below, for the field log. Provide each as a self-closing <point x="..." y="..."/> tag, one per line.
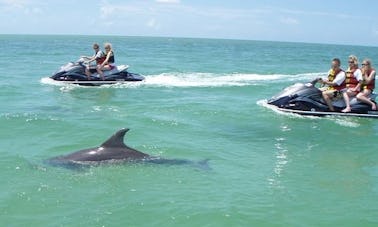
<point x="217" y="80"/>
<point x="204" y="80"/>
<point x="63" y="87"/>
<point x="264" y="103"/>
<point x="49" y="81"/>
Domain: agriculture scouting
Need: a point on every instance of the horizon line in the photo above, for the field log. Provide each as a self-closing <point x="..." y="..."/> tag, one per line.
<point x="182" y="37"/>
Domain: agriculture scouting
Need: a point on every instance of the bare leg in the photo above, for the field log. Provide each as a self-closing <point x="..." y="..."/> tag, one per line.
<point x="100" y="72"/>
<point x="347" y="102"/>
<point x="363" y="97"/>
<point x="326" y="96"/>
<point x="88" y="73"/>
<point x="101" y="69"/>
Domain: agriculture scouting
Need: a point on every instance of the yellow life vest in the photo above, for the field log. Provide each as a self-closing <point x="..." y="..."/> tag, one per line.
<point x="331" y="77"/>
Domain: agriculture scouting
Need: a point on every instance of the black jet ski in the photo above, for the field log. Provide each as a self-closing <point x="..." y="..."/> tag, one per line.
<point x="306" y="99"/>
<point x="74" y="73"/>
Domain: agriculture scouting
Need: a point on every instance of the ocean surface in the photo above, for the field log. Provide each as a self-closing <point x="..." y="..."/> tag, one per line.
<point x="202" y="99"/>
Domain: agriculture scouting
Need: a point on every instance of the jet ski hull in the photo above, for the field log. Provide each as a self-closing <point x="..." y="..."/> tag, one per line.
<point x="306" y="99"/>
<point x="369" y="114"/>
<point x="74" y="73"/>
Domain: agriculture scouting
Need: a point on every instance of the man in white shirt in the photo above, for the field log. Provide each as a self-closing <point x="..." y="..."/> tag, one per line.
<point x="333" y="84"/>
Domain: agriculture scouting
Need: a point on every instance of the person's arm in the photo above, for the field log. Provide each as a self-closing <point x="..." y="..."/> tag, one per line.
<point x="91" y="59"/>
<point x="358" y="76"/>
<point x="88" y="57"/>
<point x="325" y="81"/>
<point x="358" y="87"/>
<point x="329" y="83"/>
<point x="339" y="79"/>
<point x="370" y="78"/>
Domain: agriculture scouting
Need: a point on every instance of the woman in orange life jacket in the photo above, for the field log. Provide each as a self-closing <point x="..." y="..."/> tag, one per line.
<point x="352" y="82"/>
<point x="99" y="57"/>
<point x="108" y="63"/>
<point x="368" y="84"/>
<point x="334" y="83"/>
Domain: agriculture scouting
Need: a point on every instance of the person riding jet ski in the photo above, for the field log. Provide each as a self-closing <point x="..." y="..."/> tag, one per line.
<point x="99" y="57"/>
<point x="104" y="72"/>
<point x="108" y="63"/>
<point x="334" y="83"/>
<point x="368" y="83"/>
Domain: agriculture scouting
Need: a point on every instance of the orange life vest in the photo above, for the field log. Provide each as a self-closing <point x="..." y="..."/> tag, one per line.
<point x="350" y="80"/>
<point x="331" y="77"/>
<point x="99" y="61"/>
<point x="370" y="85"/>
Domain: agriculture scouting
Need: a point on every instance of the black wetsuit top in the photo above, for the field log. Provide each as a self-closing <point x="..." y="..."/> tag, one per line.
<point x="111" y="58"/>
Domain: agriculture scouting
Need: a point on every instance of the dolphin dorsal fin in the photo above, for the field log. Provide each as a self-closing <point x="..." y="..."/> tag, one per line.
<point x="116" y="140"/>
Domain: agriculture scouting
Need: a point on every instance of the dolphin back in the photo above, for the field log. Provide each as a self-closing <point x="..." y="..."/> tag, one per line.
<point x="116" y="140"/>
<point x="115" y="150"/>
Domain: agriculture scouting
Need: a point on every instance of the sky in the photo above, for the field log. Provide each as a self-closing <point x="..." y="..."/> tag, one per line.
<point x="321" y="21"/>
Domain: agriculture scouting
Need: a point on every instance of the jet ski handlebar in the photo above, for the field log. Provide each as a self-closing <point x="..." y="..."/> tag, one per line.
<point x="82" y="62"/>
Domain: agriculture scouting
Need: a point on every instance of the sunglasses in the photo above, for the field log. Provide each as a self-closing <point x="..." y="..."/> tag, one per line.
<point x="351" y="62"/>
<point x="365" y="64"/>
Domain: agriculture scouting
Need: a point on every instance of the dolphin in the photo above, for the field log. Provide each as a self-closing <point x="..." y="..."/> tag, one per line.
<point x="114" y="150"/>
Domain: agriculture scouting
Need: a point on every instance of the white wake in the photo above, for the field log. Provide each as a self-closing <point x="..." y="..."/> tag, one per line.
<point x="204" y="80"/>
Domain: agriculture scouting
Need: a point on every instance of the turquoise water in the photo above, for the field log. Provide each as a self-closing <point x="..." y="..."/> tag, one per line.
<point x="202" y="99"/>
